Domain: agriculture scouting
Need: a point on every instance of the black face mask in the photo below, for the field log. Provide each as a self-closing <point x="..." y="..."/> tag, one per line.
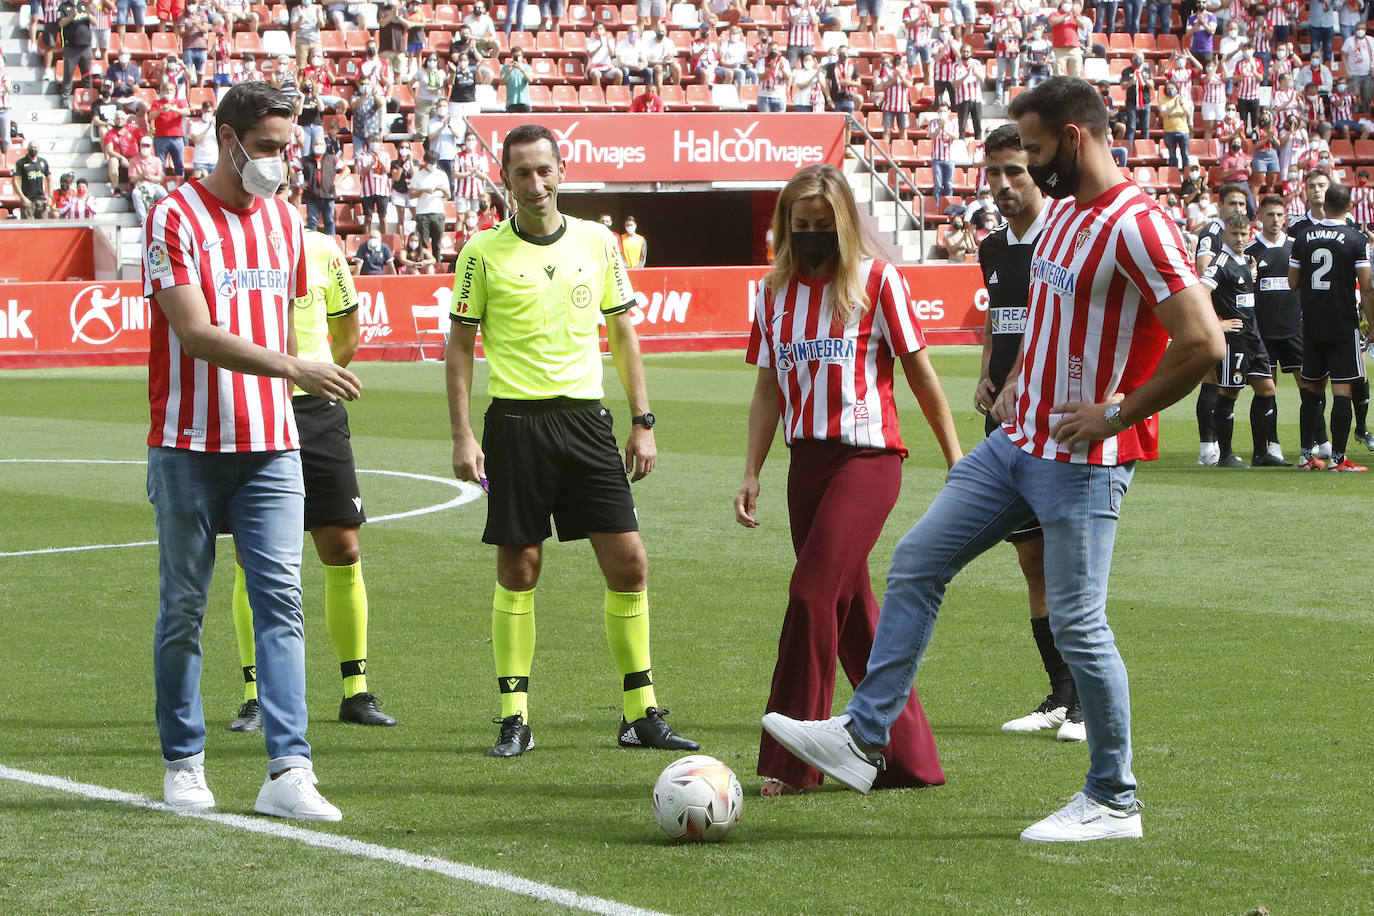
<point x="1056" y="179"/>
<point x="815" y="248"/>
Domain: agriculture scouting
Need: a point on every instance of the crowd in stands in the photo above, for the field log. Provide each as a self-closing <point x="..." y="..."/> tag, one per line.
<point x="1201" y="93"/>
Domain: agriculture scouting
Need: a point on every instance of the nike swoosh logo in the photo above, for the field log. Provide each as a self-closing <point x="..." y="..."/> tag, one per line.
<point x="209" y="243"/>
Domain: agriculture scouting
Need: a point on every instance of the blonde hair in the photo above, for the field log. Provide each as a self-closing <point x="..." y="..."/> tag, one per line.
<point x="829" y="184"/>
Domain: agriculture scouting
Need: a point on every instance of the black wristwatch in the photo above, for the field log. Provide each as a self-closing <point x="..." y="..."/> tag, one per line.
<point x="646" y="420"/>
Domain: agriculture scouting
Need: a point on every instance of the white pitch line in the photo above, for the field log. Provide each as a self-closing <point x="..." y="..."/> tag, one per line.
<point x="485" y="877"/>
<point x="467" y="492"/>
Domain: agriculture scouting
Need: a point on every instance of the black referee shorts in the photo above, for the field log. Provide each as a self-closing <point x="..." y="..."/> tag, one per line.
<point x="1285" y="353"/>
<point x="331" y="481"/>
<point x="554" y="458"/>
<point x="1341" y="360"/>
<point x="1031" y="529"/>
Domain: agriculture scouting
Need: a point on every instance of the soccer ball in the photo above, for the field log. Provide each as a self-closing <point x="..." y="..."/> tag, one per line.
<point x="698" y="799"/>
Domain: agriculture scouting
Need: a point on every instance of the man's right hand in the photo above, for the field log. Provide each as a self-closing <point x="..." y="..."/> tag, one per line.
<point x="468" y="461"/>
<point x="983" y="395"/>
<point x="325" y="380"/>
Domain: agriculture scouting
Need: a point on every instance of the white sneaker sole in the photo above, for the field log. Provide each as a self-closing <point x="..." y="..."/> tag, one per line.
<point x="271" y="810"/>
<point x="1072" y="731"/>
<point x="841" y="764"/>
<point x="190" y="806"/>
<point x="1124" y="828"/>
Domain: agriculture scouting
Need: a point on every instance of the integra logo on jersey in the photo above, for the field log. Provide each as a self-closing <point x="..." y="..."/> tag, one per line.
<point x="822" y="350"/>
<point x="1056" y="276"/>
<point x="229" y="283"/>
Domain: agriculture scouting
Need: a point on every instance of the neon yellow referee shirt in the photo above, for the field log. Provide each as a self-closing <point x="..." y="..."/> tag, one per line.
<point x="536" y="300"/>
<point x="331" y="295"/>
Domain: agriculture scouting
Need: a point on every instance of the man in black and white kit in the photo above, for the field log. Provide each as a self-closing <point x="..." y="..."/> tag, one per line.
<point x="1005" y="257"/>
<point x="1277" y="313"/>
<point x="1328" y="266"/>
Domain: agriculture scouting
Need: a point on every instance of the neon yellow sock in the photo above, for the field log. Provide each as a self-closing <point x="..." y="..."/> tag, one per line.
<point x="345" y="616"/>
<point x="627" y="633"/>
<point x="512" y="644"/>
<point x="243" y="631"/>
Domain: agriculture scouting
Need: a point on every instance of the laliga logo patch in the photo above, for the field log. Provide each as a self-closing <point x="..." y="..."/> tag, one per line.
<point x="225" y="285"/>
<point x="159" y="265"/>
<point x="582" y="296"/>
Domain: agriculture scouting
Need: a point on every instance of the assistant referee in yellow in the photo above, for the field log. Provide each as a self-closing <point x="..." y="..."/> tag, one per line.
<point x="535" y="284"/>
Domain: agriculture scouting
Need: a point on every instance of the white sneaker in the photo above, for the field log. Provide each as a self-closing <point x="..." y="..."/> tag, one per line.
<point x="1276" y="451"/>
<point x="1044" y="717"/>
<point x="186" y="788"/>
<point x="293" y="794"/>
<point x="1072" y="731"/>
<point x="1323" y="451"/>
<point x="828" y="746"/>
<point x="1208" y="454"/>
<point x="1083" y="819"/>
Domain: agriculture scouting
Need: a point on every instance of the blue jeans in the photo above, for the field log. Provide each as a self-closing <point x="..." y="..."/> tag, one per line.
<point x="171" y="149"/>
<point x="1132" y="8"/>
<point x="1177" y="145"/>
<point x="515" y="17"/>
<point x="1159" y="17"/>
<point x="1321" y="38"/>
<point x="993" y="490"/>
<point x="943" y="172"/>
<point x="258" y="496"/>
<point x="1106" y="17"/>
<point x="771" y="104"/>
<point x="320" y="210"/>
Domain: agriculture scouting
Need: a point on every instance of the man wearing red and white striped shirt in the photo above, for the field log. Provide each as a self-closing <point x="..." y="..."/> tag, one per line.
<point x="1249" y="73"/>
<point x="469" y="170"/>
<point x="374" y="172"/>
<point x="222" y="261"/>
<point x="1118" y="328"/>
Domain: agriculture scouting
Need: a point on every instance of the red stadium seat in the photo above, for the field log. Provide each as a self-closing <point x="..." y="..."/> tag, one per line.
<point x="903" y="151"/>
<point x="545" y="70"/>
<point x="446" y="14"/>
<point x="136" y="43"/>
<point x="699" y="97"/>
<point x="1364" y="150"/>
<point x="548" y="43"/>
<point x="244" y="43"/>
<point x="1342" y="150"/>
<point x="749" y="95"/>
<point x="628" y="16"/>
<point x="541" y="99"/>
<point x="861" y="42"/>
<point x="1167" y="44"/>
<point x="579" y="16"/>
<point x="674" y="99"/>
<point x="565" y="98"/>
<point x="592" y="98"/>
<point x="618" y="97"/>
<point x="332" y="41"/>
<point x="1120" y="44"/>
<point x="573" y="70"/>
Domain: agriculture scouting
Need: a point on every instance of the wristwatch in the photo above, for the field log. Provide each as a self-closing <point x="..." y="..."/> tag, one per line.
<point x="1113" y="417"/>
<point x="646" y="420"/>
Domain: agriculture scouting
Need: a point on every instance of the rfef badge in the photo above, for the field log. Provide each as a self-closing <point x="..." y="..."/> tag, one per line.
<point x="581" y="296"/>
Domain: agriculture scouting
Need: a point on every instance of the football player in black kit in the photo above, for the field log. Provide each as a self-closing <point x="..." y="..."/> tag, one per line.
<point x="1276" y="306"/>
<point x="1328" y="266"/>
<point x="1232" y="198"/>
<point x="1005" y="257"/>
<point x="1314" y="186"/>
<point x="1231" y="278"/>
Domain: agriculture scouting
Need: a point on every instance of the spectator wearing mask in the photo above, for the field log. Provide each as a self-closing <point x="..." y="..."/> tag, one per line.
<point x="1065" y="27"/>
<point x="1138" y="82"/>
<point x="893" y="81"/>
<point x="774" y="77"/>
<point x="842" y="81"/>
<point x="82" y="204"/>
<point x="413" y="258"/>
<point x="429" y="189"/>
<point x="968" y="90"/>
<point x="319" y="172"/>
<point x="1173" y="114"/>
<point x="74" y="18"/>
<point x="200" y="132"/>
<point x="734" y="55"/>
<point x="470" y="172"/>
<point x="1200" y="35"/>
<point x="483" y="29"/>
<point x="121" y="148"/>
<point x="444" y="134"/>
<point x="660" y="56"/>
<point x="1323" y="19"/>
<point x="1194" y="183"/>
<point x="307" y="19"/>
<point x="392" y="24"/>
<point x="194" y="28"/>
<point x="62" y="194"/>
<point x="103" y="109"/>
<point x="369" y="105"/>
<point x="373" y="165"/>
<point x="633" y="246"/>
<point x="1357" y="55"/>
<point x="463" y="77"/>
<point x="403" y="169"/>
<point x="516" y="75"/>
<point x="148" y="176"/>
<point x="427" y="86"/>
<point x="169" y="141"/>
<point x="648" y="101"/>
<point x="373" y="257"/>
<point x="600" y="58"/>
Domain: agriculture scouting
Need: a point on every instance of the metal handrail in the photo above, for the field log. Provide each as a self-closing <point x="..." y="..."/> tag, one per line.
<point x="899" y="177"/>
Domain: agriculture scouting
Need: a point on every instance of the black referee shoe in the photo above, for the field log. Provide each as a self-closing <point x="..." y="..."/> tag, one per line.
<point x="652" y="731"/>
<point x="1230" y="460"/>
<point x="361" y="709"/>
<point x="1269" y="461"/>
<point x="249" y="718"/>
<point x="514" y="739"/>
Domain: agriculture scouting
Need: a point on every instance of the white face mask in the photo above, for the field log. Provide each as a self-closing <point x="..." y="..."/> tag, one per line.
<point x="261" y="177"/>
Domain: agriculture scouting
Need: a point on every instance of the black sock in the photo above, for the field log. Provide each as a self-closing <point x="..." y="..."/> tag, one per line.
<point x="1319" y="433"/>
<point x="1264" y="422"/>
<point x="1224" y="423"/>
<point x="1340" y="426"/>
<point x="1308" y="416"/>
<point x="1207" y="396"/>
<point x="1062" y="687"/>
<point x="1359" y="396"/>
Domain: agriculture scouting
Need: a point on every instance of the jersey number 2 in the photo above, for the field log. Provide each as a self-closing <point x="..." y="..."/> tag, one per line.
<point x="1321" y="266"/>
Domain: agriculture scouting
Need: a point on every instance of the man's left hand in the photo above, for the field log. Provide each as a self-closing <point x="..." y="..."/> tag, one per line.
<point x="1080" y="422"/>
<point x="641" y="454"/>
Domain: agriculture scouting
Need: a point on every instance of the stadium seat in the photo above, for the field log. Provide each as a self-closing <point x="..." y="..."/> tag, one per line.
<point x="163" y="44"/>
<point x="725" y="96"/>
<point x="579" y="16"/>
<point x="332" y="42"/>
<point x="608" y="15"/>
<point x="1342" y="150"/>
<point x="1199" y="150"/>
<point x="1364" y="150"/>
<point x="903" y="152"/>
<point x="573" y="70"/>
<point x="446" y="14"/>
<point x="565" y="98"/>
<point x="684" y="16"/>
<point x="861" y="43"/>
<point x="356" y="39"/>
<point x="674" y="98"/>
<point x="541" y="99"/>
<point x="277" y="42"/>
<point x="764" y="16"/>
<point x="521" y="39"/>
<point x="923" y="147"/>
<point x="628" y="15"/>
<point x="244" y="43"/>
<point x="545" y="70"/>
<point x="592" y="98"/>
<point x="200" y="95"/>
<point x="574" y="43"/>
<point x="1120" y="44"/>
<point x="1167" y="44"/>
<point x="402" y="94"/>
<point x="346" y="218"/>
<point x="350" y="69"/>
<point x="137" y="44"/>
<point x="698" y="97"/>
<point x="548" y="43"/>
<point x="618" y="97"/>
<point x="1145" y="44"/>
<point x="81" y="102"/>
<point x="749" y="95"/>
<point x="1145" y="152"/>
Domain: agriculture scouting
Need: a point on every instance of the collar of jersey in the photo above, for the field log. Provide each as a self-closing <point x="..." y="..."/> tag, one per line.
<point x="540" y="239"/>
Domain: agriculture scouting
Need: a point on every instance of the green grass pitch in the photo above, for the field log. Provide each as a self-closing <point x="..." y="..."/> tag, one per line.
<point x="1241" y="601"/>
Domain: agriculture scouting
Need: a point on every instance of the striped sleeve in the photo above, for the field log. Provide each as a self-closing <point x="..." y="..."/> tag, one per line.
<point x="760" y="350"/>
<point x="169" y="251"/>
<point x="300" y="276"/>
<point x="1150" y="250"/>
<point x="896" y="314"/>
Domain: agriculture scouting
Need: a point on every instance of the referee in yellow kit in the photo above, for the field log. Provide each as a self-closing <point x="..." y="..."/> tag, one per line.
<point x="535" y="284"/>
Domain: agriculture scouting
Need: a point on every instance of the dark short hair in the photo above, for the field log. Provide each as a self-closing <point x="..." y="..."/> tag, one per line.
<point x="1062" y="100"/>
<point x="245" y="105"/>
<point x="1237" y="221"/>
<point x="1006" y="137"/>
<point x="1232" y="187"/>
<point x="1337" y="199"/>
<point x="1317" y="173"/>
<point x="528" y="133"/>
<point x="1270" y="200"/>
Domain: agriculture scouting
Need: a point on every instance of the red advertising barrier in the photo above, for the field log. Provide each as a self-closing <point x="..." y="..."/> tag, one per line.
<point x="405" y="318"/>
<point x="33" y="253"/>
<point x="744" y="146"/>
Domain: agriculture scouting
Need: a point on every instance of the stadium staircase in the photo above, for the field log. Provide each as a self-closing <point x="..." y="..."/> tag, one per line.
<point x="63" y="140"/>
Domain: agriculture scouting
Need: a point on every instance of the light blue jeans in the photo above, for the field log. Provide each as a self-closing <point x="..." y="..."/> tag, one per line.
<point x="259" y="497"/>
<point x="994" y="489"/>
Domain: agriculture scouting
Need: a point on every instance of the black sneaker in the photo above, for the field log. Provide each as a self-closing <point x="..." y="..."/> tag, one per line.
<point x="1269" y="461"/>
<point x="1230" y="460"/>
<point x="249" y="718"/>
<point x="361" y="709"/>
<point x="515" y="737"/>
<point x="652" y="731"/>
<point x="1073" y="729"/>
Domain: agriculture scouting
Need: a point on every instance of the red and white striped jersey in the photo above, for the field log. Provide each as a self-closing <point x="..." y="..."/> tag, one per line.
<point x="1098" y="271"/>
<point x="1313" y="107"/>
<point x="1214" y="89"/>
<point x="1276" y="16"/>
<point x="249" y="265"/>
<point x="1249" y="73"/>
<point x="1362" y="204"/>
<point x="1342" y="106"/>
<point x="801" y="26"/>
<point x="1282" y="100"/>
<point x="475" y="161"/>
<point x="835" y="383"/>
<point x="51" y="10"/>
<point x="373" y="173"/>
<point x="1144" y="83"/>
<point x="1260" y="38"/>
<point x="1296" y="201"/>
<point x="968" y="82"/>
<point x="78" y="206"/>
<point x="1182" y="77"/>
<point x="897" y="97"/>
<point x="773" y="80"/>
<point x="945" y="59"/>
<point x="919" y="14"/>
<point x="941" y="139"/>
<point x="1008" y="42"/>
<point x="1281" y="68"/>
